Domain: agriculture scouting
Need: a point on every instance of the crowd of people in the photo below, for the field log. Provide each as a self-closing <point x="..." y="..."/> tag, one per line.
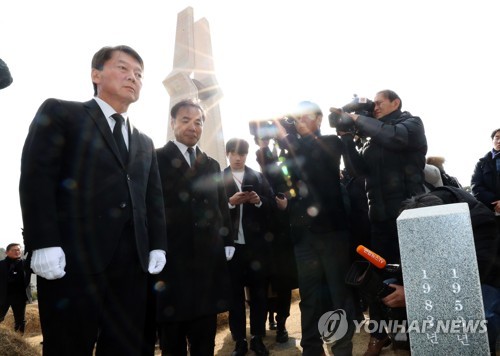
<point x="134" y="245"/>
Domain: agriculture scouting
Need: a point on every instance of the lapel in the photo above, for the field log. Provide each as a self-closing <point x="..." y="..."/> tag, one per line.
<point x="101" y="122"/>
<point x="134" y="139"/>
<point x="174" y="153"/>
<point x="231" y="187"/>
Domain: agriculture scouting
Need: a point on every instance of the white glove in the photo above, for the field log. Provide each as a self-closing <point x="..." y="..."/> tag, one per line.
<point x="229" y="252"/>
<point x="49" y="262"/>
<point x="157" y="261"/>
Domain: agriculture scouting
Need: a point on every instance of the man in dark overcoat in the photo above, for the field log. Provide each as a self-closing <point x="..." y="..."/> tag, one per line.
<point x="195" y="286"/>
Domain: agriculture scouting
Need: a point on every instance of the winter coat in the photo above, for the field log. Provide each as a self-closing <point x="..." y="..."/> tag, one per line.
<point x="485" y="181"/>
<point x="392" y="161"/>
<point x="195" y="281"/>
<point x="486" y="239"/>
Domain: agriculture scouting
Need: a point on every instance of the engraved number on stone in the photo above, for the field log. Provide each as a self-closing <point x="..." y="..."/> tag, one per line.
<point x="427" y="287"/>
<point x="454" y="272"/>
<point x="428" y="304"/>
<point x="458" y="305"/>
<point x="425" y="274"/>
<point x="456" y="287"/>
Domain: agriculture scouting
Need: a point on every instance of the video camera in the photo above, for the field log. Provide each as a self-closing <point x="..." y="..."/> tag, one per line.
<point x="372" y="278"/>
<point x="267" y="129"/>
<point x="373" y="284"/>
<point x="343" y="122"/>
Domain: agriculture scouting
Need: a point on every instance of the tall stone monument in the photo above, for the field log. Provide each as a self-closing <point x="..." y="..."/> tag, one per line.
<point x="441" y="281"/>
<point x="193" y="76"/>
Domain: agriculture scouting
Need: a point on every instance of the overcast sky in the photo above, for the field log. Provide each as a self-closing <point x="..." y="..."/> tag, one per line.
<point x="441" y="57"/>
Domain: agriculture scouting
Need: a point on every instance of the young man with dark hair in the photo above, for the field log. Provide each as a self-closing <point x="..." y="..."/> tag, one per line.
<point x="250" y="201"/>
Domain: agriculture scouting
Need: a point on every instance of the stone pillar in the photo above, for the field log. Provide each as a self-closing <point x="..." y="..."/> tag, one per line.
<point x="441" y="281"/>
<point x="193" y="77"/>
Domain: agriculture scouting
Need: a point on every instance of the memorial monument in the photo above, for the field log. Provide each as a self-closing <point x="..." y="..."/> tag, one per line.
<point x="193" y="76"/>
<point x="441" y="280"/>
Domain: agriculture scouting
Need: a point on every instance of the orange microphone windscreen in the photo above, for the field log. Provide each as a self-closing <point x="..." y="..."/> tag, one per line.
<point x="371" y="256"/>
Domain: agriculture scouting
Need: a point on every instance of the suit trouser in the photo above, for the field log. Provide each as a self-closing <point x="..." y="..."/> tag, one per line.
<point x="106" y="309"/>
<point x="199" y="333"/>
<point x="18" y="304"/>
<point x="248" y="268"/>
<point x="322" y="263"/>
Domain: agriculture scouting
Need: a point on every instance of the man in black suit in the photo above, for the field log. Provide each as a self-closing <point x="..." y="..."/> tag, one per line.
<point x="15" y="286"/>
<point x="195" y="286"/>
<point x="251" y="201"/>
<point x="93" y="214"/>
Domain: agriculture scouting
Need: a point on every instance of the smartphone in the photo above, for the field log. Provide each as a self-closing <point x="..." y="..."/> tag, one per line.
<point x="247" y="188"/>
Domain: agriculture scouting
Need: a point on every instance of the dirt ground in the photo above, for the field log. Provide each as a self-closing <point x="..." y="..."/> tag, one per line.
<point x="224" y="344"/>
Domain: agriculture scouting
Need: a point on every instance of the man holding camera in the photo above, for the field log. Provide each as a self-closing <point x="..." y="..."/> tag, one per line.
<point x="392" y="161"/>
<point x="319" y="228"/>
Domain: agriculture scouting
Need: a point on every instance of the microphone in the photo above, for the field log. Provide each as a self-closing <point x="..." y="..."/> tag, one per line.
<point x="371" y="256"/>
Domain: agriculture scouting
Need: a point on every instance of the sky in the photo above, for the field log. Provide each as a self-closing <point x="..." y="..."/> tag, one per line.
<point x="439" y="56"/>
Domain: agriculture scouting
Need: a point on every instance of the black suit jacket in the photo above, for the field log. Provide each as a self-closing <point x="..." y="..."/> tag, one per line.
<point x="196" y="278"/>
<point x="76" y="193"/>
<point x="4" y="277"/>
<point x="255" y="220"/>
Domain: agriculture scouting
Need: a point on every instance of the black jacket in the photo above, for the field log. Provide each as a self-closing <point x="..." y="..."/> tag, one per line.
<point x="486" y="181"/>
<point x="392" y="161"/>
<point x="26" y="288"/>
<point x="196" y="278"/>
<point x="255" y="219"/>
<point x="486" y="239"/>
<point x="313" y="165"/>
<point x="76" y="192"/>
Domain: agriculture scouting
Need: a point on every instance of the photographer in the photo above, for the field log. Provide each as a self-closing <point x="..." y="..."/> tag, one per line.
<point x="319" y="227"/>
<point x="392" y="161"/>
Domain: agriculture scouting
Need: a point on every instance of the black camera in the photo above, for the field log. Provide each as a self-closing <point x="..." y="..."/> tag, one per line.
<point x="267" y="129"/>
<point x="343" y="122"/>
<point x="360" y="106"/>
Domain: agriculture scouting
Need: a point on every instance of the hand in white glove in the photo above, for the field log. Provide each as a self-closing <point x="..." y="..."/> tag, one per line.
<point x="229" y="252"/>
<point x="49" y="262"/>
<point x="157" y="261"/>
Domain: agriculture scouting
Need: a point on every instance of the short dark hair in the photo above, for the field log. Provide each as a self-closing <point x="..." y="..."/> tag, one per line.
<point x="494" y="133"/>
<point x="391" y="95"/>
<point x="184" y="103"/>
<point x="421" y="201"/>
<point x="9" y="246"/>
<point x="105" y="53"/>
<point x="237" y="145"/>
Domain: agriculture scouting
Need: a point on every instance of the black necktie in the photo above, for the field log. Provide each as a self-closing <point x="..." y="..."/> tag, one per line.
<point x="117" y="134"/>
<point x="192" y="157"/>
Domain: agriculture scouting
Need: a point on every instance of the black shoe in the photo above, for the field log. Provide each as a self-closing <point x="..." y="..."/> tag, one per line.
<point x="257" y="346"/>
<point x="241" y="348"/>
<point x="281" y="336"/>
